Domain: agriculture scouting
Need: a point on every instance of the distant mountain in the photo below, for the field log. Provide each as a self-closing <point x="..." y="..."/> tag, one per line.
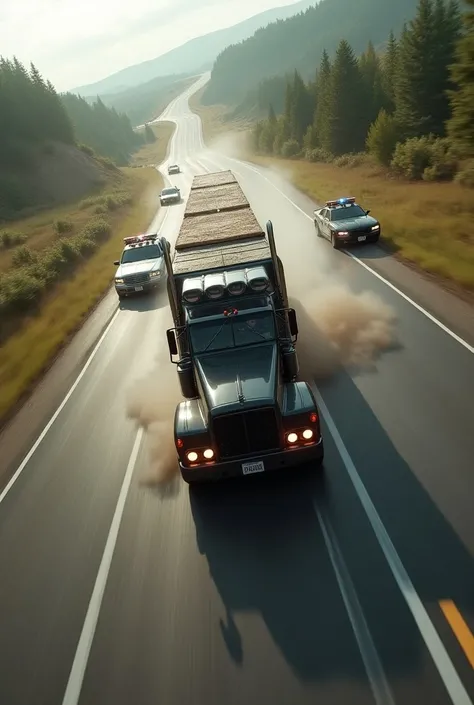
<point x="147" y="101"/>
<point x="195" y="56"/>
<point x="298" y="42"/>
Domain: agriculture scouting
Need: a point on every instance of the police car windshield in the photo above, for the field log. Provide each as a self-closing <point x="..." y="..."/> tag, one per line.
<point x="347" y="212"/>
<point x="232" y="332"/>
<point x="136" y="254"/>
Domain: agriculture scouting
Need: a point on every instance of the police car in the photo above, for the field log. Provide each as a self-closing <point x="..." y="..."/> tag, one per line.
<point x="141" y="267"/>
<point x="345" y="222"/>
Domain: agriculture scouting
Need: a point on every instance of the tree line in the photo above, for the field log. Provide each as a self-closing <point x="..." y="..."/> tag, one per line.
<point x="33" y="113"/>
<point x="412" y="106"/>
<point x="296" y="43"/>
<point x="107" y="131"/>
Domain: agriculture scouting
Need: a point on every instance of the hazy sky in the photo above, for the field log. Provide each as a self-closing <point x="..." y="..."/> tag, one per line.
<point x="73" y="42"/>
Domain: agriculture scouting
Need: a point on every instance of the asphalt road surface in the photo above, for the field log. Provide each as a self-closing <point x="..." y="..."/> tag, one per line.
<point x="353" y="589"/>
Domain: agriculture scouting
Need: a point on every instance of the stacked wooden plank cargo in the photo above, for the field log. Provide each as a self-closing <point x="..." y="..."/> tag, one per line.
<point x="219" y="228"/>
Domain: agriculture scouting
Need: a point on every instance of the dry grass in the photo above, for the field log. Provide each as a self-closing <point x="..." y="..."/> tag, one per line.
<point x="155" y="153"/>
<point x="429" y="224"/>
<point x="71" y="301"/>
<point x="39" y="229"/>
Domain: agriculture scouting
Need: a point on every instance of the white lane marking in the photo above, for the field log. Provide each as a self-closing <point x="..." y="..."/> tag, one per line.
<point x="435" y="646"/>
<point x="373" y="666"/>
<point x="76" y="676"/>
<point x="156" y="224"/>
<point x="419" y="308"/>
<point x="59" y="409"/>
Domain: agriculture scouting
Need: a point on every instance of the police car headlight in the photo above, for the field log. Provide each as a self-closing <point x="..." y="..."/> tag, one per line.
<point x="119" y="281"/>
<point x="155" y="274"/>
<point x="375" y="227"/>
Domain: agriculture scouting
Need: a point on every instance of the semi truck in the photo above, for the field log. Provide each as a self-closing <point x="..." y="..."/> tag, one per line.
<point x="244" y="410"/>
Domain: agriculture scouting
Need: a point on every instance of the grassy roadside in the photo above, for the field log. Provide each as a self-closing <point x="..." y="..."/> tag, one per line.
<point x="30" y="350"/>
<point x="155" y="152"/>
<point x="427" y="224"/>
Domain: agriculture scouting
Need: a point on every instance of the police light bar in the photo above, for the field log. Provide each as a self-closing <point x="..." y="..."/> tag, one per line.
<point x="340" y="202"/>
<point x="132" y="239"/>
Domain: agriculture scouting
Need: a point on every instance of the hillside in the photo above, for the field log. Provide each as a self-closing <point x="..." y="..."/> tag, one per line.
<point x="41" y="162"/>
<point x="195" y="56"/>
<point x="147" y="101"/>
<point x="298" y="43"/>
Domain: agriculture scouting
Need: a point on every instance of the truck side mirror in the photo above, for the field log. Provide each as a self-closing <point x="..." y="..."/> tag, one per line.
<point x="117" y="262"/>
<point x="293" y="321"/>
<point x="172" y="345"/>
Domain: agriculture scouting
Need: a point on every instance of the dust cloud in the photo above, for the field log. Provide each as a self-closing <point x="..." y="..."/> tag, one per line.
<point x="339" y="328"/>
<point x="152" y="402"/>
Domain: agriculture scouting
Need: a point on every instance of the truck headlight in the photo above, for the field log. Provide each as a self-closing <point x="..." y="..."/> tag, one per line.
<point x="155" y="274"/>
<point x="202" y="455"/>
<point x="119" y="281"/>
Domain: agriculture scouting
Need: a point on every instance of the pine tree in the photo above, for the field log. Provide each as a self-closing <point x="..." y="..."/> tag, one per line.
<point x="150" y="136"/>
<point x="461" y="125"/>
<point x="348" y="124"/>
<point x="372" y="78"/>
<point x="415" y="80"/>
<point x="448" y="26"/>
<point x="322" y="117"/>
<point x="389" y="72"/>
<point x="301" y="109"/>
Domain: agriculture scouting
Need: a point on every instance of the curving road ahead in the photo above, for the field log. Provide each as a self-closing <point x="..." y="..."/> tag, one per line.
<point x="356" y="589"/>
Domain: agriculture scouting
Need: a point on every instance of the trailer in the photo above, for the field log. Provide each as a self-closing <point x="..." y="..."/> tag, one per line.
<point x="233" y="342"/>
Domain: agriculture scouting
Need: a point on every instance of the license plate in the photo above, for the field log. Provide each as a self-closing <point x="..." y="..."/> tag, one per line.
<point x="138" y="288"/>
<point x="250" y="468"/>
<point x="361" y="238"/>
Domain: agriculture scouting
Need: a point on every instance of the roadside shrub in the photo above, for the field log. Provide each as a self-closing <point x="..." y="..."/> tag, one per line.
<point x="290" y="148"/>
<point x="107" y="163"/>
<point x="100" y="209"/>
<point x="11" y="238"/>
<point x="465" y="177"/>
<point x="350" y="161"/>
<point x="382" y="138"/>
<point x="90" y="201"/>
<point x="318" y="155"/>
<point x="86" y="149"/>
<point x="19" y="291"/>
<point x="63" y="226"/>
<point x="97" y="229"/>
<point x="24" y="256"/>
<point x="428" y="158"/>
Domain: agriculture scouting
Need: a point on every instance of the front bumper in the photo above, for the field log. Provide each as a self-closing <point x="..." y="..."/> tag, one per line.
<point x="139" y="288"/>
<point x="358" y="237"/>
<point x="169" y="201"/>
<point x="280" y="460"/>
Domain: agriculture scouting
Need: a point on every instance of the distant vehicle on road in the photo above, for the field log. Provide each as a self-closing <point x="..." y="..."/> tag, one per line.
<point x="174" y="169"/>
<point x="345" y="222"/>
<point x="172" y="194"/>
<point x="141" y="267"/>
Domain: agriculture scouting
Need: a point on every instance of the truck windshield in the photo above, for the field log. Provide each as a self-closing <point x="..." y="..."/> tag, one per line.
<point x="137" y="254"/>
<point x="232" y="332"/>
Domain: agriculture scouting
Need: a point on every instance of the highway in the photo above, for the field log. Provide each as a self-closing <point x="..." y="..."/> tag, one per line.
<point x="351" y="588"/>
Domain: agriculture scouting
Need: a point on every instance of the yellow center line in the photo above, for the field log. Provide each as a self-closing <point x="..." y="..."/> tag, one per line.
<point x="460" y="628"/>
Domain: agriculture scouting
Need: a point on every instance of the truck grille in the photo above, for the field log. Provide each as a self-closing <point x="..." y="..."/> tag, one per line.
<point x="246" y="433"/>
<point x="133" y="279"/>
